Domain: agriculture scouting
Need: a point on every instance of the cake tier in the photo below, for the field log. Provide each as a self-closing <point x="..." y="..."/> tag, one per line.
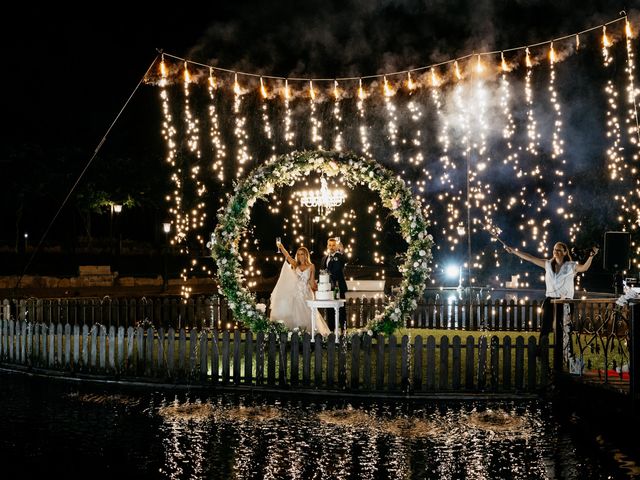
<point x="324" y="278"/>
<point x="326" y="295"/>
<point x="324" y="287"/>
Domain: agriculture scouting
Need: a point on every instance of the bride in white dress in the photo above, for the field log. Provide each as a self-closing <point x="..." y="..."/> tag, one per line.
<point x="295" y="286"/>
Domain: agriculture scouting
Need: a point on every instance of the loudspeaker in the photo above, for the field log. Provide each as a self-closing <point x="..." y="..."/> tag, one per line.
<point x="616" y="250"/>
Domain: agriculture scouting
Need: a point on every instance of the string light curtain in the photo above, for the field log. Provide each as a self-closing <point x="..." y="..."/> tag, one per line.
<point x="482" y="138"/>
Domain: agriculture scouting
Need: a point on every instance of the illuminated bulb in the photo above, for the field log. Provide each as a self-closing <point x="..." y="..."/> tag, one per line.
<point x="434" y="78"/>
<point x="187" y="77"/>
<point x="387" y="90"/>
<point x="163" y="68"/>
<point x="263" y="90"/>
<point x="605" y="40"/>
<point x="410" y="84"/>
<point x="457" y="70"/>
<point x="287" y="94"/>
<point x="236" y="86"/>
<point x="312" y="92"/>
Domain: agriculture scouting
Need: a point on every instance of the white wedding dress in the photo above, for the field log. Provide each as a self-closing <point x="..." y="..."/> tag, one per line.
<point x="289" y="301"/>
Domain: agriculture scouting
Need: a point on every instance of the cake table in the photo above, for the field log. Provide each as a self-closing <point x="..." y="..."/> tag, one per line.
<point x="336" y="304"/>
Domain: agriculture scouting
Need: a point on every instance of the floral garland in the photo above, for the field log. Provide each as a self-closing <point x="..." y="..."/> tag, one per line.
<point x="286" y="170"/>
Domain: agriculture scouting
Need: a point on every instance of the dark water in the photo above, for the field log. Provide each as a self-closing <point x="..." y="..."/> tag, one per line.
<point x="54" y="429"/>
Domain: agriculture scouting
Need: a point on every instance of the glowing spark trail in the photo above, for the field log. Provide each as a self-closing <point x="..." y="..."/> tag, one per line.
<point x="242" y="138"/>
<point x="288" y="133"/>
<point x="337" y="116"/>
<point x="214" y="131"/>
<point x="363" y="128"/>
<point x="392" y="119"/>
<point x="266" y="123"/>
<point x="316" y="125"/>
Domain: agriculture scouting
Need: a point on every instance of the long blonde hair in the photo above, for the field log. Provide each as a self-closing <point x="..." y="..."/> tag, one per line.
<point x="306" y="255"/>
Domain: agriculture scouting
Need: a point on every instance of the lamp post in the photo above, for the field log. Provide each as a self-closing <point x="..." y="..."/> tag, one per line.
<point x="115" y="208"/>
<point x="166" y="228"/>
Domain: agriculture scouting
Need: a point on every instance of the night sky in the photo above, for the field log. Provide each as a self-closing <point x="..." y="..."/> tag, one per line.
<point x="69" y="72"/>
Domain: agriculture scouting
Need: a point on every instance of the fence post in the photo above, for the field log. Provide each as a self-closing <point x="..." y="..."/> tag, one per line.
<point x="558" y="339"/>
<point x="634" y="359"/>
<point x="355" y="362"/>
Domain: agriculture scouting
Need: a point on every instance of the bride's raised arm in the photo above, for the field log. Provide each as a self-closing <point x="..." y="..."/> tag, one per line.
<point x="286" y="255"/>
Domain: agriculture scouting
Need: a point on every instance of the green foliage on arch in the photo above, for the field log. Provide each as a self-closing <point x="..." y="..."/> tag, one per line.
<point x="286" y="170"/>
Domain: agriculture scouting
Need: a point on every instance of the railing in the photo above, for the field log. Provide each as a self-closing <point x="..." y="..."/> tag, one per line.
<point x="596" y="339"/>
<point x="212" y="311"/>
<point x="407" y="366"/>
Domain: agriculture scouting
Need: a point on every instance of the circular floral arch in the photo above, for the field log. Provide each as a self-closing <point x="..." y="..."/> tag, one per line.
<point x="286" y="170"/>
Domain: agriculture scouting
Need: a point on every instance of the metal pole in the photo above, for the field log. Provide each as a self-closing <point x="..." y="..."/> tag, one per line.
<point x="468" y="224"/>
<point x="111" y="233"/>
<point x="634" y="359"/>
<point x="165" y="279"/>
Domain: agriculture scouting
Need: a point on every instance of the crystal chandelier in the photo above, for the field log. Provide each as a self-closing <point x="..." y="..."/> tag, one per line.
<point x="325" y="200"/>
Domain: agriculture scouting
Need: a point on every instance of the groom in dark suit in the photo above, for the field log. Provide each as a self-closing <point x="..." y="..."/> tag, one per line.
<point x="334" y="262"/>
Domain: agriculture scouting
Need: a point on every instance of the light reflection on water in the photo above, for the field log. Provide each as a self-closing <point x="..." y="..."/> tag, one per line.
<point x="164" y="435"/>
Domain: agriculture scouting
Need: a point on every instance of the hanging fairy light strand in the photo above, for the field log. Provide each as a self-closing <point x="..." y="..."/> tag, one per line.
<point x="242" y="137"/>
<point x="392" y="118"/>
<point x="196" y="216"/>
<point x="169" y="133"/>
<point x="633" y="132"/>
<point x="266" y="122"/>
<point x="417" y="158"/>
<point x="337" y="118"/>
<point x="214" y="131"/>
<point x="316" y="125"/>
<point x="288" y="132"/>
<point x="562" y="182"/>
<point x="363" y="128"/>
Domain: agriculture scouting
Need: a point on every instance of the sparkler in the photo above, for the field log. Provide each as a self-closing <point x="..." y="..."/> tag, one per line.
<point x="495" y="233"/>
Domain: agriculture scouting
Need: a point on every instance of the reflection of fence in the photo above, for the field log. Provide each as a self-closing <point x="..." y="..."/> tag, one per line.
<point x="209" y="357"/>
<point x="213" y="311"/>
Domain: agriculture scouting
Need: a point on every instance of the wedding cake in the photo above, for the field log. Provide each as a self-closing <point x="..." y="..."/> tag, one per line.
<point x="324" y="287"/>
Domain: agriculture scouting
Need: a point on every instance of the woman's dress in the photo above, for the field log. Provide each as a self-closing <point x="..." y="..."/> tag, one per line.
<point x="289" y="301"/>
